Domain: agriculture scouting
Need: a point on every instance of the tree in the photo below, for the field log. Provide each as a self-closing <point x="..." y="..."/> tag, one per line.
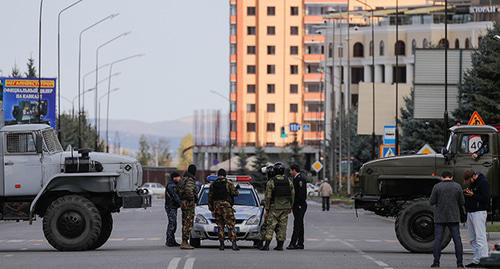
<point x="260" y="161"/>
<point x="481" y="88"/>
<point x="242" y="163"/>
<point x="32" y="73"/>
<point x="69" y="133"/>
<point x="161" y="153"/>
<point x="144" y="155"/>
<point x="415" y="132"/>
<point x="185" y="152"/>
<point x="15" y="73"/>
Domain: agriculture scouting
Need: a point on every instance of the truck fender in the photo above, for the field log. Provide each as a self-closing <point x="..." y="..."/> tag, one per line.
<point x="76" y="182"/>
<point x="406" y="186"/>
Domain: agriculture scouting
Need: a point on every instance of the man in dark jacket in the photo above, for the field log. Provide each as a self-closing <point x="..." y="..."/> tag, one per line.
<point x="299" y="208"/>
<point x="172" y="203"/>
<point x="477" y="201"/>
<point x="447" y="197"/>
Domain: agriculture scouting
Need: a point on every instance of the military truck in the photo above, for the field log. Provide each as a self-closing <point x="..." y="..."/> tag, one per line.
<point x="399" y="187"/>
<point x="74" y="192"/>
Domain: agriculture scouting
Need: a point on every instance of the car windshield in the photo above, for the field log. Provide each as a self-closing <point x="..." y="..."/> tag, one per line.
<point x="245" y="198"/>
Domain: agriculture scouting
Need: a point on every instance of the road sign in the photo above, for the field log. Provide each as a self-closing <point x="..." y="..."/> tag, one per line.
<point x="317" y="166"/>
<point x="389" y="134"/>
<point x="426" y="150"/>
<point x="294" y="127"/>
<point x="306" y="127"/>
<point x="476" y="119"/>
<point x="387" y="151"/>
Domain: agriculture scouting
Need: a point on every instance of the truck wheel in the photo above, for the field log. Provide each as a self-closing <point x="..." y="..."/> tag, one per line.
<point x="72" y="223"/>
<point x="415" y="228"/>
<point x="195" y="242"/>
<point x="107" y="227"/>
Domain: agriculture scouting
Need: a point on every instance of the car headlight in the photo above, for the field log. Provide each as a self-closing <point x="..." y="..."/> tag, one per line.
<point x="199" y="219"/>
<point x="253" y="220"/>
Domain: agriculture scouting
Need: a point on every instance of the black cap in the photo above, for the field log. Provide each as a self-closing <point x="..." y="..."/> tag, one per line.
<point x="221" y="173"/>
<point x="192" y="169"/>
<point x="174" y="174"/>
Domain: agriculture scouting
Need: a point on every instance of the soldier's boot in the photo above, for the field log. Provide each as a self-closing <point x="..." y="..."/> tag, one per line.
<point x="279" y="246"/>
<point x="186" y="245"/>
<point x="221" y="247"/>
<point x="266" y="246"/>
<point x="235" y="246"/>
<point x="258" y="244"/>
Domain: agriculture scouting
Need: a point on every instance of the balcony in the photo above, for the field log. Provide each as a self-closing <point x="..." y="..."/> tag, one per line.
<point x="313" y="19"/>
<point x="233" y="58"/>
<point x="313" y="96"/>
<point x="232" y="39"/>
<point x="233" y="77"/>
<point x="313" y="58"/>
<point x="313" y="116"/>
<point x="313" y="135"/>
<point x="233" y="96"/>
<point x="314" y="39"/>
<point x="233" y="19"/>
<point x="313" y="77"/>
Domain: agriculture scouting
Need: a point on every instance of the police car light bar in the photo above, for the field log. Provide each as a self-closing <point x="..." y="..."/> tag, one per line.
<point x="234" y="178"/>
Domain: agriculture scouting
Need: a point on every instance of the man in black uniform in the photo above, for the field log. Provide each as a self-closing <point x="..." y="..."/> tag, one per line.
<point x="299" y="208"/>
<point x="172" y="203"/>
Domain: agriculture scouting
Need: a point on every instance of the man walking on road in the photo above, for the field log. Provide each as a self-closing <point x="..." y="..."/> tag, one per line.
<point x="447" y="197"/>
<point x="279" y="201"/>
<point x="299" y="208"/>
<point x="220" y="202"/>
<point x="189" y="196"/>
<point x="477" y="201"/>
<point x="325" y="191"/>
<point x="172" y="203"/>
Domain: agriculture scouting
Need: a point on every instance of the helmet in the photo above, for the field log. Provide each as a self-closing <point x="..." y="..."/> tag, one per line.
<point x="269" y="171"/>
<point x="279" y="169"/>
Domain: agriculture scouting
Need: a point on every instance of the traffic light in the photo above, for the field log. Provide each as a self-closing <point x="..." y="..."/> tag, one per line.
<point x="283" y="134"/>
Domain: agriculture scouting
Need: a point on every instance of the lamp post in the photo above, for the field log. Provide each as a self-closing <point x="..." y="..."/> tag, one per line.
<point x="40" y="63"/>
<point x="109" y="93"/>
<point x="97" y="79"/>
<point x="59" y="65"/>
<point x="446" y="44"/>
<point x="396" y="119"/>
<point x="229" y="148"/>
<point x="80" y="70"/>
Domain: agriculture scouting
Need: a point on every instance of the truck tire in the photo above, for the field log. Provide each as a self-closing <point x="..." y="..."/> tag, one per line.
<point x="72" y="223"/>
<point x="106" y="229"/>
<point x="415" y="227"/>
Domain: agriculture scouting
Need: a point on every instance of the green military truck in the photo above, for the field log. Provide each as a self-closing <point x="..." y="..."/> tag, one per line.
<point x="399" y="187"/>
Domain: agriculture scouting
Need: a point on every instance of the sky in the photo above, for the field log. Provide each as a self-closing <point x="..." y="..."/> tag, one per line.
<point x="184" y="42"/>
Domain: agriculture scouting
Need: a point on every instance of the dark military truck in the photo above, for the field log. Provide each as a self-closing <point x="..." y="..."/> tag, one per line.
<point x="400" y="186"/>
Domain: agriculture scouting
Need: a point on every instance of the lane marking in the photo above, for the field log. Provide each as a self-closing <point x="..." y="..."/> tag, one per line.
<point x="174" y="263"/>
<point x="154" y="239"/>
<point x="313" y="239"/>
<point x="189" y="263"/>
<point x="116" y="239"/>
<point x="15" y="241"/>
<point x="37" y="241"/>
<point x="373" y="241"/>
<point x="24" y="249"/>
<point x="364" y="255"/>
<point x="135" y="239"/>
<point x="381" y="264"/>
<point x="8" y="255"/>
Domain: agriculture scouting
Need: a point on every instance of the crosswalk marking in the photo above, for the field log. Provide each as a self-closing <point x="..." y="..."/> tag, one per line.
<point x="189" y="263"/>
<point x="174" y="263"/>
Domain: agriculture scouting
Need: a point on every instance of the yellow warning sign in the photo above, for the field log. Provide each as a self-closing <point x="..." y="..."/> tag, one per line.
<point x="317" y="166"/>
<point x="476" y="119"/>
<point x="426" y="150"/>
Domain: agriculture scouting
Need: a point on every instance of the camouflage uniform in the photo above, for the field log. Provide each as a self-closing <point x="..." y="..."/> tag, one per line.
<point x="188" y="195"/>
<point x="278" y="207"/>
<point x="222" y="207"/>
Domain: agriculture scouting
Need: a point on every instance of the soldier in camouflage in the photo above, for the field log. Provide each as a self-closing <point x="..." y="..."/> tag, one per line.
<point x="187" y="191"/>
<point x="220" y="202"/>
<point x="269" y="171"/>
<point x="279" y="200"/>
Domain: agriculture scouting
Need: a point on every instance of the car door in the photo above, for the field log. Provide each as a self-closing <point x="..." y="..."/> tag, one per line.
<point x="469" y="144"/>
<point x="22" y="165"/>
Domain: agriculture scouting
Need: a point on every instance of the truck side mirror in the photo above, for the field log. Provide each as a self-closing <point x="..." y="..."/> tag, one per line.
<point x="263" y="202"/>
<point x="39" y="144"/>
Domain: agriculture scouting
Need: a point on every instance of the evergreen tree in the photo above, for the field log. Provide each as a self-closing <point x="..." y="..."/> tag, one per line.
<point x="481" y="88"/>
<point x="416" y="133"/>
<point x="144" y="155"/>
<point x="261" y="160"/>
<point x="32" y="73"/>
<point x="69" y="133"/>
<point x="242" y="163"/>
<point x="15" y="73"/>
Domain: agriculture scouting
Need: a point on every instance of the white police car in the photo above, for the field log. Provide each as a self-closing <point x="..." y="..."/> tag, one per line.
<point x="248" y="213"/>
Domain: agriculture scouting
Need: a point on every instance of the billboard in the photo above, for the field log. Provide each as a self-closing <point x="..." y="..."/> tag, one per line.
<point x="20" y="100"/>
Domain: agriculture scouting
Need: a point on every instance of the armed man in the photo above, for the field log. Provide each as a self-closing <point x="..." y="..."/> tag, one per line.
<point x="269" y="172"/>
<point x="187" y="191"/>
<point x="279" y="200"/>
<point x="220" y="202"/>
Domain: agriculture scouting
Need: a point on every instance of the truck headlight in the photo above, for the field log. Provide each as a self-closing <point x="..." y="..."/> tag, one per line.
<point x="253" y="220"/>
<point x="199" y="219"/>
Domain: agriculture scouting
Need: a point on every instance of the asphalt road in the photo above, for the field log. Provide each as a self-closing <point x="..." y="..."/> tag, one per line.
<point x="335" y="239"/>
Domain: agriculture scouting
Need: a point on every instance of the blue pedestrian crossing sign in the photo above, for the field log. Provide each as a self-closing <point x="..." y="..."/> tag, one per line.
<point x="294" y="127"/>
<point x="387" y="151"/>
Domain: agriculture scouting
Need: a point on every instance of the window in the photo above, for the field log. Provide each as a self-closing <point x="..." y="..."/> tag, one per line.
<point x="232" y="86"/>
<point x="413" y="46"/>
<point x="251" y="127"/>
<point x="233" y="68"/>
<point x="251" y="11"/>
<point x="294" y="11"/>
<point x="467" y="43"/>
<point x="250" y="69"/>
<point x="232" y="10"/>
<point x="251" y="30"/>
<point x="294" y="30"/>
<point x="400" y="48"/>
<point x="425" y="43"/>
<point x="232" y="49"/>
<point x="457" y="43"/>
<point x="251" y="49"/>
<point x="381" y="48"/>
<point x="341" y="52"/>
<point x="479" y="39"/>
<point x="232" y="29"/>
<point x="401" y="73"/>
<point x="271" y="30"/>
<point x="271" y="11"/>
<point x="357" y="75"/>
<point x="271" y="108"/>
<point x="371" y="49"/>
<point x="270" y="144"/>
<point x="473" y="143"/>
<point x="358" y="50"/>
<point x="250" y="107"/>
<point x="313" y="87"/>
<point x="20" y="143"/>
<point x="271" y="88"/>
<point x="294" y="69"/>
<point x="294" y="50"/>
<point x="271" y="127"/>
<point x="294" y="108"/>
<point x="251" y="88"/>
<point x="271" y="69"/>
<point x="443" y="42"/>
<point x="271" y="50"/>
<point x="294" y="88"/>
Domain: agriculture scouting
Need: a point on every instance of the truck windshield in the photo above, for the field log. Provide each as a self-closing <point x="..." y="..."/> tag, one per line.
<point x="450" y="142"/>
<point x="51" y="141"/>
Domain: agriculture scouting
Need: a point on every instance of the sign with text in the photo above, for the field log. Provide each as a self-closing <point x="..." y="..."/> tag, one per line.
<point x="389" y="134"/>
<point x="20" y="100"/>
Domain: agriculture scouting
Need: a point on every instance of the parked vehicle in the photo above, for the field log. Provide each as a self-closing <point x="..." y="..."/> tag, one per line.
<point x="154" y="188"/>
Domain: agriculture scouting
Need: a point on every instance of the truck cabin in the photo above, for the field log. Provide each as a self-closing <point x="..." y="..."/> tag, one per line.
<point x="30" y="139"/>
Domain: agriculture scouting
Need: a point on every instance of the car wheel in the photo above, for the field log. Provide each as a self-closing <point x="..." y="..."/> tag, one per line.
<point x="72" y="223"/>
<point x="195" y="242"/>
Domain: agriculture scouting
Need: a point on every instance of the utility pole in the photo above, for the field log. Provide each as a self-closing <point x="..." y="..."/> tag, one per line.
<point x="348" y="107"/>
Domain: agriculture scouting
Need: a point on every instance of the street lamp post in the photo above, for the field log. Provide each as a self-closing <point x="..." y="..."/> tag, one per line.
<point x="40" y="63"/>
<point x="229" y="148"/>
<point x="107" y="114"/>
<point x="83" y="84"/>
<point x="97" y="79"/>
<point x="446" y="44"/>
<point x="59" y="65"/>
<point x="396" y="119"/>
<point x="80" y="69"/>
<point x="109" y="93"/>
